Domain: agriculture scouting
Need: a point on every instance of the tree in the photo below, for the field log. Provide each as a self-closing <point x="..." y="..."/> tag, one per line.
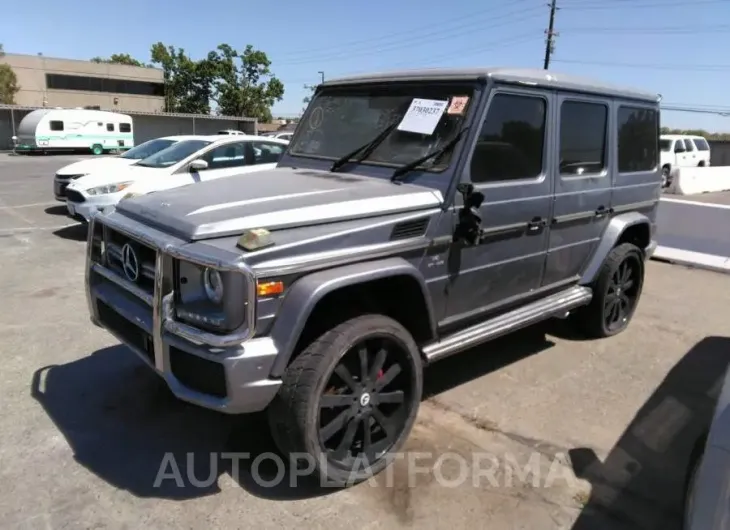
<point x="245" y="85"/>
<point x="308" y="98"/>
<point x="188" y="83"/>
<point x="8" y="82"/>
<point x="120" y="58"/>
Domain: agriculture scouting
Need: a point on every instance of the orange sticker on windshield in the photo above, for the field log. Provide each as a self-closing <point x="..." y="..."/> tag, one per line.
<point x="458" y="105"/>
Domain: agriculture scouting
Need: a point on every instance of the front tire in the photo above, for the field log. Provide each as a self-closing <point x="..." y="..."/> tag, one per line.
<point x="97" y="149"/>
<point x="616" y="293"/>
<point x="349" y="401"/>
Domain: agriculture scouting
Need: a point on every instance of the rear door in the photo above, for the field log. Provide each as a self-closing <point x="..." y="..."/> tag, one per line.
<point x="582" y="185"/>
<point x="691" y="155"/>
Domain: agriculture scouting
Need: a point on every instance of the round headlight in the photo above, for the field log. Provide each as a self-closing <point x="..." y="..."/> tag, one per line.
<point x="213" y="284"/>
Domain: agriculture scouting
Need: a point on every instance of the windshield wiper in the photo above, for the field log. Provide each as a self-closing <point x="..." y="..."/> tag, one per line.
<point x="437" y="153"/>
<point x="366" y="149"/>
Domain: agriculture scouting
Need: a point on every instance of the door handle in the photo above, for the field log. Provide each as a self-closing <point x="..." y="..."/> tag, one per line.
<point x="602" y="210"/>
<point x="535" y="224"/>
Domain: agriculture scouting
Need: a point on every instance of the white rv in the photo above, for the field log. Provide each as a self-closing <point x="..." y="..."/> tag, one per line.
<point x="52" y="130"/>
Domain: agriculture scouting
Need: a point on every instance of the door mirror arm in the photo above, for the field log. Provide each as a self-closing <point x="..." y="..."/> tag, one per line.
<point x="468" y="229"/>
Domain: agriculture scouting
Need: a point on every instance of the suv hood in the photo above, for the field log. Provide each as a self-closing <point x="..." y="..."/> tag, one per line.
<point x="274" y="199"/>
<point x="84" y="167"/>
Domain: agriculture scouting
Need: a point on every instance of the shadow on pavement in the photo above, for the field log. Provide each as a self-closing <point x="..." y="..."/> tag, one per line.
<point x="58" y="209"/>
<point x="121" y="421"/>
<point x="641" y="482"/>
<point x="74" y="232"/>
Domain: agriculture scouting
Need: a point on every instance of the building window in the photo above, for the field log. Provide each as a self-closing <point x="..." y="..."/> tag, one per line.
<point x="582" y="137"/>
<point x="638" y="139"/>
<point x="510" y="144"/>
<point x="110" y="127"/>
<point x="100" y="84"/>
<point x="56" y="125"/>
<point x="125" y="127"/>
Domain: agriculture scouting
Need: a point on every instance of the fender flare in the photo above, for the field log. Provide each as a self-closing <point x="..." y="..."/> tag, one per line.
<point x="616" y="227"/>
<point x="306" y="292"/>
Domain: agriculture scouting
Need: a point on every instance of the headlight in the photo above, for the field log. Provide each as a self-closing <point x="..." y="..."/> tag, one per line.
<point x="109" y="188"/>
<point x="213" y="284"/>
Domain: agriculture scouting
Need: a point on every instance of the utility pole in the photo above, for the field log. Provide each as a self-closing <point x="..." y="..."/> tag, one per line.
<point x="322" y="75"/>
<point x="550" y="43"/>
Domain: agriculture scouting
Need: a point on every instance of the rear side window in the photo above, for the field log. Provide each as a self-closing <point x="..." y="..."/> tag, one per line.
<point x="638" y="139"/>
<point x="510" y="143"/>
<point x="56" y="125"/>
<point x="701" y="144"/>
<point x="109" y="127"/>
<point x="689" y="145"/>
<point x="125" y="127"/>
<point x="582" y="137"/>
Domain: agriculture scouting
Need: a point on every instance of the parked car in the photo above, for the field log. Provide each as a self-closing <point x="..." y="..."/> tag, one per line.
<point x="66" y="174"/>
<point x="682" y="151"/>
<point x="708" y="477"/>
<point x="434" y="211"/>
<point x="287" y="135"/>
<point x="231" y="132"/>
<point x="194" y="159"/>
<point x="58" y="130"/>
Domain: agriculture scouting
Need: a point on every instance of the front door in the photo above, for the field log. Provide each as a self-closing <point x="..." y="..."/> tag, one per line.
<point x="582" y="185"/>
<point x="509" y="165"/>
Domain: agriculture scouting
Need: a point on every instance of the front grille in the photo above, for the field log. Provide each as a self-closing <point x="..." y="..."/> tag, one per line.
<point x="74" y="196"/>
<point x="61" y="189"/>
<point x="115" y="243"/>
<point x="128" y="332"/>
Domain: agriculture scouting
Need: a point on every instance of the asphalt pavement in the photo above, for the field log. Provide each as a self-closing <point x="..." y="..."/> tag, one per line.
<point x="539" y="430"/>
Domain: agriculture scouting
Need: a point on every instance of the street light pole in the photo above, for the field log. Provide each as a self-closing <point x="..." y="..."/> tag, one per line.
<point x="321" y="75"/>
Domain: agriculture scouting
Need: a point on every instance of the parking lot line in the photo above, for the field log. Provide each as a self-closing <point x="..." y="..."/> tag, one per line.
<point x="31" y="205"/>
<point x="698" y="203"/>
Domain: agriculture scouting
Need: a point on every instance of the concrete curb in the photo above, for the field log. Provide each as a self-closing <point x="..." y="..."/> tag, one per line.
<point x="692" y="259"/>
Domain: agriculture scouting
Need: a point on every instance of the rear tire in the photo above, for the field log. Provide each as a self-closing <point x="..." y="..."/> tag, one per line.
<point x="349" y="401"/>
<point x="616" y="293"/>
<point x="97" y="149"/>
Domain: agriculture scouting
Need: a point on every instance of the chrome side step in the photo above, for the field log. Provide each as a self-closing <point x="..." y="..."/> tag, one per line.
<point x="555" y="305"/>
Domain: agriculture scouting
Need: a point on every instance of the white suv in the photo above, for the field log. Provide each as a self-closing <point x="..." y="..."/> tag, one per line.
<point x="678" y="150"/>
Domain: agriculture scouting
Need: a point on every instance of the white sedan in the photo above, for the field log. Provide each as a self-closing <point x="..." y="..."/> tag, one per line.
<point x="71" y="172"/>
<point x="192" y="160"/>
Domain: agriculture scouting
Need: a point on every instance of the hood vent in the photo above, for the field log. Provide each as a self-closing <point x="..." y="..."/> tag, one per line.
<point x="408" y="229"/>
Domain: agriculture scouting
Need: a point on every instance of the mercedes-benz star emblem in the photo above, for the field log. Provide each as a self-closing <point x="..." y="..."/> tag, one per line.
<point x="130" y="264"/>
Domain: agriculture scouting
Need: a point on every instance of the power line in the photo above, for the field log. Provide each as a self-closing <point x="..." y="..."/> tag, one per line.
<point x="435" y="36"/>
<point x="669" y="30"/>
<point x="631" y="4"/>
<point x="650" y="66"/>
<point x="441" y="25"/>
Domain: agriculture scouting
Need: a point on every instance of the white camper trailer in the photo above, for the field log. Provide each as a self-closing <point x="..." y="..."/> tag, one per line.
<point x="53" y="130"/>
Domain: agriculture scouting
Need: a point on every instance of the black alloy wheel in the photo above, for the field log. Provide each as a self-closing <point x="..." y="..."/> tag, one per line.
<point x="622" y="293"/>
<point x="365" y="404"/>
<point x="349" y="400"/>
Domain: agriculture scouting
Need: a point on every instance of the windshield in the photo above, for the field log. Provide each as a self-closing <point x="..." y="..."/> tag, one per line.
<point x="146" y="149"/>
<point x="339" y="120"/>
<point x="173" y="154"/>
<point x="665" y="145"/>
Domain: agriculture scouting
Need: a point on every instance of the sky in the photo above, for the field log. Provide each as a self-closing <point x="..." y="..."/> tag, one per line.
<point x="677" y="48"/>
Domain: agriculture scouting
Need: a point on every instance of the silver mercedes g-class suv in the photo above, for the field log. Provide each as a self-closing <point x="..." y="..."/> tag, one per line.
<point x="414" y="215"/>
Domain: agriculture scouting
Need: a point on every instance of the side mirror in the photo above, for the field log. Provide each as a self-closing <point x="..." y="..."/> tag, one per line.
<point x="468" y="229"/>
<point x="198" y="165"/>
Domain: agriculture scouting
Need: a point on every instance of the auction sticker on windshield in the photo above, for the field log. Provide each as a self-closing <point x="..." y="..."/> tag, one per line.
<point x="422" y="116"/>
<point x="458" y="105"/>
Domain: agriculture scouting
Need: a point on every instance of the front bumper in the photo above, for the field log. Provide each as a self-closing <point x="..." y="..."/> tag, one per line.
<point x="649" y="251"/>
<point x="92" y="205"/>
<point x="229" y="374"/>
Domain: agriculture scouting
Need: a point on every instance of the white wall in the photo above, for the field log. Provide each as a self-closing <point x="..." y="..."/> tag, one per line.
<point x="692" y="180"/>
